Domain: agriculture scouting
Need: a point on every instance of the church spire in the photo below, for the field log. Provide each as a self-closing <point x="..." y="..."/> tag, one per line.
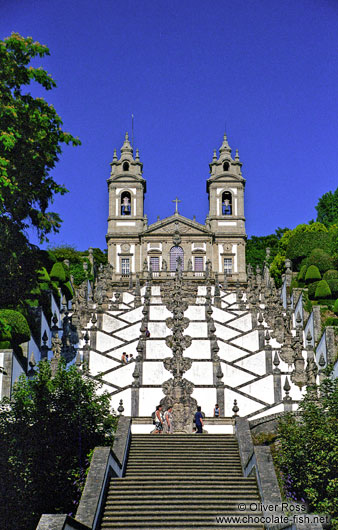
<point x="225" y="147"/>
<point x="126" y="149"/>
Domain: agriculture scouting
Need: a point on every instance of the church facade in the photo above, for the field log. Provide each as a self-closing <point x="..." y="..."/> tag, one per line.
<point x="176" y="242"/>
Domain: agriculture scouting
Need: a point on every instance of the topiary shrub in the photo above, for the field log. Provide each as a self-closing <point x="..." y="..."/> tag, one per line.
<point x="301" y="274"/>
<point x="67" y="290"/>
<point x="333" y="284"/>
<point x="18" y="324"/>
<point x="330" y="275"/>
<point x="312" y="290"/>
<point x="323" y="290"/>
<point x="321" y="259"/>
<point x="58" y="273"/>
<point x="335" y="307"/>
<point x="312" y="274"/>
<point x="5" y="330"/>
<point x="43" y="275"/>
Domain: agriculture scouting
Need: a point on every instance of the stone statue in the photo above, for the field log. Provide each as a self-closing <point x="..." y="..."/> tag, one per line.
<point x="126" y="208"/>
<point x="164" y="265"/>
<point x="226" y="207"/>
<point x="145" y="265"/>
<point x="189" y="265"/>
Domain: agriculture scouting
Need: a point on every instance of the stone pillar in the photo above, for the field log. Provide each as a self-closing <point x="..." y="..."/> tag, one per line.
<point x="277" y="380"/>
<point x="7" y="374"/>
<point x="317" y="326"/>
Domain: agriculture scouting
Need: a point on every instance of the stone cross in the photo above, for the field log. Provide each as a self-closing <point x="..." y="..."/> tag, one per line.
<point x="177" y="201"/>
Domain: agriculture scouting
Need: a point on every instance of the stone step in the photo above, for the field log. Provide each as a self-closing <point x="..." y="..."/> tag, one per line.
<point x="192" y="463"/>
<point x="178" y="519"/>
<point x="184" y="502"/>
<point x="155" y="525"/>
<point x="181" y="459"/>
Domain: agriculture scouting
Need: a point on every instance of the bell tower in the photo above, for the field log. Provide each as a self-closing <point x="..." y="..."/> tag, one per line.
<point x="126" y="188"/>
<point x="225" y="188"/>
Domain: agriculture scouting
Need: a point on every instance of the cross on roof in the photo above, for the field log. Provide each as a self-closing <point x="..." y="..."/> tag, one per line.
<point x="177" y="201"/>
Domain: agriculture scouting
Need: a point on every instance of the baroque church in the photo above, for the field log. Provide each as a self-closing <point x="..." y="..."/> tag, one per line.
<point x="176" y="296"/>
<point x="218" y="246"/>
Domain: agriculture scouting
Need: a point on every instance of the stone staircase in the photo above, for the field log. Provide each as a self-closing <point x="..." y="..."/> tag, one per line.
<point x="180" y="482"/>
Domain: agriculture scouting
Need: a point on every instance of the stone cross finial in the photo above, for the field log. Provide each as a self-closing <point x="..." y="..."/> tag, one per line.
<point x="176" y="201"/>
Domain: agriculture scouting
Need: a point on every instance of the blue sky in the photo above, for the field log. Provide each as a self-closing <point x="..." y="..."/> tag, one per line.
<point x="266" y="70"/>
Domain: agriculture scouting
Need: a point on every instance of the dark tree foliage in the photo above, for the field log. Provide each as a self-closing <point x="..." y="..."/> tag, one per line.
<point x="46" y="432"/>
<point x="19" y="261"/>
<point x="327" y="208"/>
<point x="308" y="455"/>
<point x="31" y="137"/>
<point x="256" y="247"/>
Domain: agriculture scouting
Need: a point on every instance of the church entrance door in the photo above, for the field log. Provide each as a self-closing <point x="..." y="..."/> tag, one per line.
<point x="175" y="253"/>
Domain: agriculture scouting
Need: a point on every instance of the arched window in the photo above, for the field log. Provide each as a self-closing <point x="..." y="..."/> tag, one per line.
<point x="125" y="166"/>
<point x="226" y="166"/>
<point x="226" y="203"/>
<point x="125" y="203"/>
<point x="176" y="258"/>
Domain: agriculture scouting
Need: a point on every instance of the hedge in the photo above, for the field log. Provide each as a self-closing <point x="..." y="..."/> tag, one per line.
<point x="312" y="274"/>
<point x="323" y="290"/>
<point x="18" y="324"/>
<point x="330" y="275"/>
<point x="58" y="273"/>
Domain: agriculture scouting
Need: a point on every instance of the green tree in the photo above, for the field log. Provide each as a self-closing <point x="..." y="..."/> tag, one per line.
<point x="308" y="451"/>
<point x="327" y="208"/>
<point x="46" y="433"/>
<point x="31" y="137"/>
<point x="256" y="247"/>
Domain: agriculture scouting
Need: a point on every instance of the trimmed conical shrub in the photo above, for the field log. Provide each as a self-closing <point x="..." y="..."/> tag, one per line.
<point x="330" y="275"/>
<point x="312" y="290"/>
<point x="302" y="272"/>
<point x="323" y="290"/>
<point x="333" y="284"/>
<point x="67" y="290"/>
<point x="335" y="307"/>
<point x="312" y="274"/>
<point x="58" y="273"/>
<point x="43" y="275"/>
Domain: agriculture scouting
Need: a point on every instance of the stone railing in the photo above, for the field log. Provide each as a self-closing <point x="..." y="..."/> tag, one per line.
<point x="106" y="463"/>
<point x="257" y="460"/>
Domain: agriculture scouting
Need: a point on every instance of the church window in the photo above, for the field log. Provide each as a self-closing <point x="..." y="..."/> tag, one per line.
<point x="198" y="264"/>
<point x="226" y="203"/>
<point x="125" y="203"/>
<point x="125" y="266"/>
<point x="226" y="166"/>
<point x="155" y="263"/>
<point x="176" y="258"/>
<point x="125" y="166"/>
<point x="228" y="266"/>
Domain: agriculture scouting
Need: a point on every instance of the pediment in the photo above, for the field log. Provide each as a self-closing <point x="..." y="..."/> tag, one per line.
<point x="123" y="178"/>
<point x="171" y="224"/>
<point x="226" y="178"/>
